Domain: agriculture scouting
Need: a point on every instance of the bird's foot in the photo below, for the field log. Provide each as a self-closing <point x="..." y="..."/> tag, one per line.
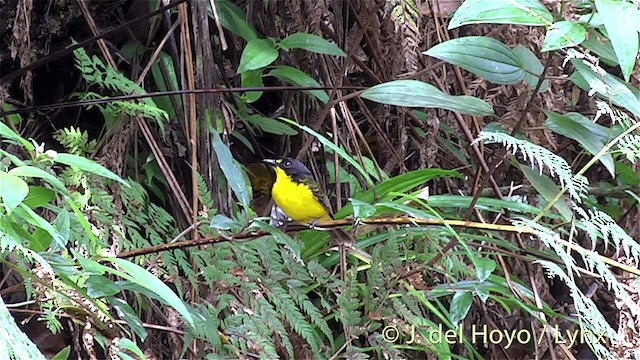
<point x="313" y="223"/>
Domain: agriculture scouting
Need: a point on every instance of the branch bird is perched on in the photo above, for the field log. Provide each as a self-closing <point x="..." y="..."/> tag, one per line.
<point x="297" y="193"/>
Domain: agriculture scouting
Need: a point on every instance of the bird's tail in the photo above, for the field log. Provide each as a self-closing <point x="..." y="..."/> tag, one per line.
<point x="346" y="243"/>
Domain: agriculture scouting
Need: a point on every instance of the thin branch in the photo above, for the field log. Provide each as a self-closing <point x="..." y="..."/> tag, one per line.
<point x="251" y="235"/>
<point x="173" y="92"/>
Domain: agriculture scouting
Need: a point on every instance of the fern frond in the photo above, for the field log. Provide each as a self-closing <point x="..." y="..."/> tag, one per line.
<point x="539" y="157"/>
<point x="50" y="317"/>
<point x="256" y="335"/>
<point x="600" y="225"/>
<point x="629" y="146"/>
<point x="204" y="194"/>
<point x="551" y="239"/>
<point x="314" y="314"/>
<point x="10" y="244"/>
<point x="75" y="141"/>
<point x="348" y="305"/>
<point x="15" y="344"/>
<point x="287" y="307"/>
<point x="95" y="72"/>
<point x="272" y="318"/>
<point x="586" y="309"/>
<point x="405" y="16"/>
<point x="321" y="275"/>
<point x="187" y="269"/>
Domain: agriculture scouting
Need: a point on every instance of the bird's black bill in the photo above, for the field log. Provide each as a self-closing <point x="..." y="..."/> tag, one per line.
<point x="271" y="162"/>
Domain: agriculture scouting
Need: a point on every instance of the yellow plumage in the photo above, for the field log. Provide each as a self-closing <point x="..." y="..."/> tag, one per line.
<point x="297" y="199"/>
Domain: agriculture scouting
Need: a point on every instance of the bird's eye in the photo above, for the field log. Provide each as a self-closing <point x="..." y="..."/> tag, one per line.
<point x="288" y="163"/>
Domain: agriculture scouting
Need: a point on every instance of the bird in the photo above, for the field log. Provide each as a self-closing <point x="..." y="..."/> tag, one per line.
<point x="296" y="192"/>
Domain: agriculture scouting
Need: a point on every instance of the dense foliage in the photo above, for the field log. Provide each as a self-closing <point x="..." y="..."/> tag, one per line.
<point x="151" y="237"/>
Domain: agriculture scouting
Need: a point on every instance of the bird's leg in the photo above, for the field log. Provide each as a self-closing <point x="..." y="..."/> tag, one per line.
<point x="313" y="223"/>
<point x="284" y="225"/>
<point x="343" y="262"/>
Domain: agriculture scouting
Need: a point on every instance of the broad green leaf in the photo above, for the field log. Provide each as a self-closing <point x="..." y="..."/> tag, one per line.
<point x="91" y="266"/>
<point x="399" y="184"/>
<point x="125" y="343"/>
<point x="161" y="78"/>
<point x="484" y="267"/>
<point x="12" y="190"/>
<point x="6" y="132"/>
<point x="345" y="176"/>
<point x="592" y="20"/>
<point x="531" y="65"/>
<point x="371" y="168"/>
<point x="99" y="286"/>
<point x="222" y="222"/>
<point x="138" y="275"/>
<point x="460" y="305"/>
<point x="40" y="240"/>
<point x="38" y="196"/>
<point x="486" y="57"/>
<point x="88" y="165"/>
<point x="483" y="295"/>
<point x="231" y="170"/>
<point x="563" y="34"/>
<point x="593" y="137"/>
<point x="300" y="78"/>
<point x="620" y="19"/>
<point x="15" y="119"/>
<point x="407" y="210"/>
<point x="606" y="86"/>
<point x="14" y="159"/>
<point x="257" y="54"/>
<point x="311" y="42"/>
<point x="413" y="93"/>
<point x="483" y="204"/>
<point x="518" y="12"/>
<point x="34" y="172"/>
<point x="367" y="164"/>
<point x="233" y="19"/>
<point x="63" y="354"/>
<point x="362" y="209"/>
<point x="547" y="189"/>
<point x="129" y="50"/>
<point x="126" y="313"/>
<point x="243" y="139"/>
<point x="601" y="46"/>
<point x="270" y="125"/>
<point x="252" y="78"/>
<point x="63" y="224"/>
<point x="626" y="174"/>
<point x="38" y="221"/>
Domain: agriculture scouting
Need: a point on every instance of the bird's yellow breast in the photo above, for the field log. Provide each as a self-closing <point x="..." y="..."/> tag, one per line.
<point x="297" y="199"/>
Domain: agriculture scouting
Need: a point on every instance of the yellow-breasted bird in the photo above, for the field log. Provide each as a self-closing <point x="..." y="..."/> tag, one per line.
<point x="297" y="193"/>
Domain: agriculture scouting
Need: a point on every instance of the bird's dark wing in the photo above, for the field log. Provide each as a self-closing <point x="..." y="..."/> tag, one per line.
<point x="318" y="193"/>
